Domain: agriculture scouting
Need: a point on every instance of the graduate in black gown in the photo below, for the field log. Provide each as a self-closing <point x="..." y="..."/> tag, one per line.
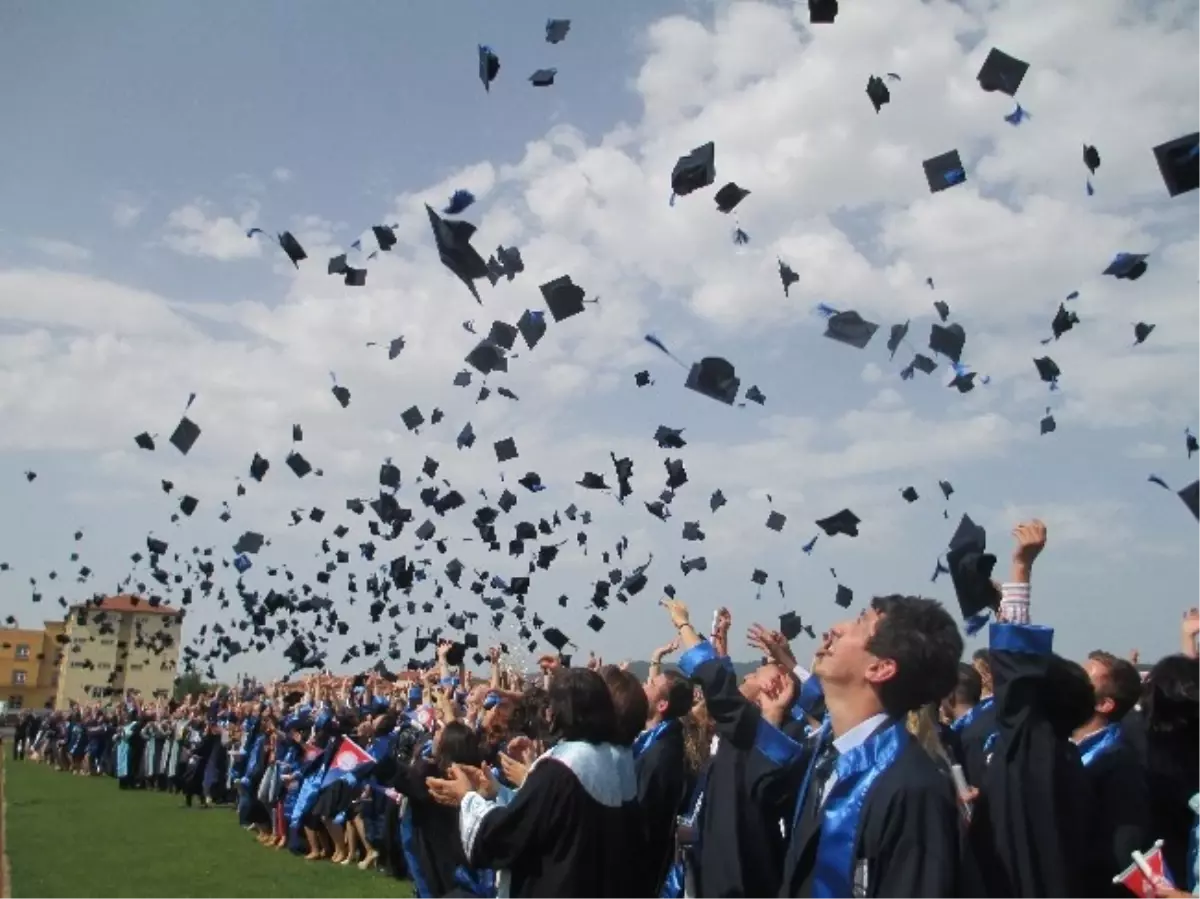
<point x="970" y="735"/>
<point x="875" y="815"/>
<point x="1121" y="824"/>
<point x="573" y="829"/>
<point x="1029" y="831"/>
<point x="747" y="791"/>
<point x="662" y="772"/>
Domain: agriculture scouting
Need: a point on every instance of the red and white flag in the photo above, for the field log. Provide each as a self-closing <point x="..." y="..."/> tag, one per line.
<point x="1146" y="871"/>
<point x="349" y="755"/>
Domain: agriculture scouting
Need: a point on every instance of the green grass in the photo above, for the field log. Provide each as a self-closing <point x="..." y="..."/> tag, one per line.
<point x="81" y="836"/>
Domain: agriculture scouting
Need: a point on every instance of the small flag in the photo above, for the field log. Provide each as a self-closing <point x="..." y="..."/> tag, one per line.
<point x="1147" y="870"/>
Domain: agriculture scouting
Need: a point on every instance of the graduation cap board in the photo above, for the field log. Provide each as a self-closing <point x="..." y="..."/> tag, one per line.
<point x="715" y="378"/>
<point x="1001" y="72"/>
<point x="1179" y="163"/>
<point x="694" y="171"/>
<point x="944" y="171"/>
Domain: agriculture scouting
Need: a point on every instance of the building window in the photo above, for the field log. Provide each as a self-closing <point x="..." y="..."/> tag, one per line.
<point x="78" y="664"/>
<point x="81" y="619"/>
<point x="14" y="703"/>
<point x="96" y="692"/>
<point x="135" y="667"/>
<point x="22" y="652"/>
<point x="104" y="665"/>
<point x="19" y="678"/>
<point x="107" y="642"/>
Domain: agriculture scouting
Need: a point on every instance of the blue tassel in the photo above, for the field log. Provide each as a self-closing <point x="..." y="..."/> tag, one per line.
<point x="1090" y="190"/>
<point x="808" y="547"/>
<point x="740" y="237"/>
<point x="254" y="231"/>
<point x="1017" y="116"/>
<point x="459" y="201"/>
<point x="954" y="176"/>
<point x="975" y="623"/>
<point x="893" y="76"/>
<point x="826" y="311"/>
<point x="671" y="203"/>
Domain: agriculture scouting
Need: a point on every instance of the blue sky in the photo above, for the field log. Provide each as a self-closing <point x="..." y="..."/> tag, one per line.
<point x="146" y="139"/>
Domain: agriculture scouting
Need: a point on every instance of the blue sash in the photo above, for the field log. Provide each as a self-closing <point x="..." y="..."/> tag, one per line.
<point x="1095" y="745"/>
<point x="648" y="738"/>
<point x="961" y="724"/>
<point x="857" y="771"/>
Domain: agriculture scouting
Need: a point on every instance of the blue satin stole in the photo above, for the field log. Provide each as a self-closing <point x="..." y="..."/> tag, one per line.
<point x="857" y="770"/>
<point x="1095" y="745"/>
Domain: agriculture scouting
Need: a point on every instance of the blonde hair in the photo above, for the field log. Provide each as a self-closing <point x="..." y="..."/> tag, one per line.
<point x="923" y="725"/>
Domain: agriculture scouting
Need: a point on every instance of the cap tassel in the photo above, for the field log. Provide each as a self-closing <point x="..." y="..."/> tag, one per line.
<point x="975" y="623"/>
<point x="826" y="311"/>
<point x="740" y="237"/>
<point x="672" y="200"/>
<point x="191" y="399"/>
<point x="654" y="341"/>
<point x="1090" y="190"/>
<point x="1017" y="116"/>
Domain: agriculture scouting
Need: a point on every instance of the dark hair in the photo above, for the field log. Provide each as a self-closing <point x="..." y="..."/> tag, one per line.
<point x="679" y="695"/>
<point x="923" y="640"/>
<point x="969" y="688"/>
<point x="1070" y="700"/>
<point x="385" y="724"/>
<point x="581" y="707"/>
<point x="1122" y="683"/>
<point x="982" y="655"/>
<point x="529" y="714"/>
<point x="1171" y="699"/>
<point x="459" y="745"/>
<point x="629" y="702"/>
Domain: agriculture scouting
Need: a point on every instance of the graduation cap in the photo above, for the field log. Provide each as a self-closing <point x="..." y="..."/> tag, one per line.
<point x="716" y="500"/>
<point x="697" y="564"/>
<point x="543" y="77"/>
<point x="298" y="464"/>
<point x="822" y="12"/>
<point x="790" y="625"/>
<point x="187" y="505"/>
<point x="694" y="171"/>
<point x="506" y="449"/>
<point x="466" y="437"/>
<point x="556" y="30"/>
<point x="844" y="596"/>
<point x="502" y="334"/>
<point x="532" y="325"/>
<point x="878" y="92"/>
<point x="714" y="377"/>
<point x="1047" y="425"/>
<point x="754" y="395"/>
<point x="1191" y="497"/>
<point x="563" y="298"/>
<point x="1001" y="72"/>
<point x="944" y="171"/>
<point x="1063" y="322"/>
<point x="971" y="569"/>
<point x="1179" y="163"/>
<point x="1127" y="266"/>
<point x="412" y="418"/>
<point x="1140" y="332"/>
<point x="355" y="277"/>
<point x="776" y="521"/>
<point x="758" y="577"/>
<point x="486" y="358"/>
<point x="184" y="436"/>
<point x="669" y="438"/>
<point x="948" y="340"/>
<point x="910" y="495"/>
<point x="453" y="240"/>
<point x="844" y="522"/>
<point x="729" y="196"/>
<point x="1048" y="370"/>
<point x="556" y="638"/>
<point x="144" y="440"/>
<point x="249" y="542"/>
<point x="592" y="481"/>
<point x="899" y="332"/>
<point x="787" y="276"/>
<point x="1091" y="158"/>
<point x="489" y="66"/>
<point x="850" y="328"/>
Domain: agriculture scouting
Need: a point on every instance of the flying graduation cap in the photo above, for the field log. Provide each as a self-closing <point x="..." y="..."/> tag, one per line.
<point x="944" y="171"/>
<point x="489" y="66"/>
<point x="715" y="378"/>
<point x="729" y="196"/>
<point x="693" y="171"/>
<point x="1127" y="266"/>
<point x="971" y="571"/>
<point x="822" y="12"/>
<point x="543" y="77"/>
<point x="878" y="92"/>
<point x="563" y="297"/>
<point x="556" y="30"/>
<point x="1091" y="158"/>
<point x="849" y="328"/>
<point x="1179" y="164"/>
<point x="1001" y="72"/>
<point x="287" y="243"/>
<point x="453" y="240"/>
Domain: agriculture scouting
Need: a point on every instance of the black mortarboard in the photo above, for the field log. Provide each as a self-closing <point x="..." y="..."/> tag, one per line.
<point x="144" y="440"/>
<point x="596" y="623"/>
<point x="1141" y="331"/>
<point x="947" y="488"/>
<point x="694" y="171"/>
<point x="355" y="277"/>
<point x="776" y="521"/>
<point x="850" y="328"/>
<point x="758" y="576"/>
<point x="716" y="500"/>
<point x="297" y="433"/>
<point x="754" y="395"/>
<point x="563" y="298"/>
<point x="156" y="546"/>
<point x="532" y="325"/>
<point x="592" y="481"/>
<point x="430" y="467"/>
<point x="971" y="569"/>
<point x="412" y="418"/>
<point x="790" y="625"/>
<point x="384" y="236"/>
<point x="453" y="239"/>
<point x="948" y="340"/>
<point x="187" y="505"/>
<point x="1191" y="497"/>
<point x="822" y="12"/>
<point x="486" y="358"/>
<point x="899" y="332"/>
<point x="669" y="438"/>
<point x="1063" y="322"/>
<point x="1091" y="158"/>
<point x="729" y="196"/>
<point x="787" y="276"/>
<point x="556" y="30"/>
<point x="506" y="449"/>
<point x="924" y="363"/>
<point x="186" y="433"/>
<point x="943" y="309"/>
<point x="697" y="564"/>
<point x="642" y="378"/>
<point x="944" y="171"/>
<point x="1179" y="162"/>
<point x="1127" y="266"/>
<point x="715" y="378"/>
<point x="389" y="475"/>
<point x="298" y="464"/>
<point x="337" y="265"/>
<point x="506" y="500"/>
<point x="556" y="638"/>
<point x="258" y="467"/>
<point x="543" y="77"/>
<point x="844" y="522"/>
<point x="249" y="542"/>
<point x="691" y="531"/>
<point x="1048" y="369"/>
<point x="341" y="394"/>
<point x="909" y="494"/>
<point x="502" y="334"/>
<point x="1001" y="72"/>
<point x="489" y="66"/>
<point x="676" y="475"/>
<point x="844" y="596"/>
<point x="1048" y="425"/>
<point x="963" y="381"/>
<point x="877" y="91"/>
<point x="426" y="531"/>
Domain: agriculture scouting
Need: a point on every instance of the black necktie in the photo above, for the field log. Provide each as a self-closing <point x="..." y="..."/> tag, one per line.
<point x="822" y="770"/>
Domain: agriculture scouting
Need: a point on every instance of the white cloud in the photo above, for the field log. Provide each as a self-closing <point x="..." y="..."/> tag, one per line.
<point x="282" y="175"/>
<point x="192" y="232"/>
<point x="60" y="250"/>
<point x="838" y="192"/>
<point x="125" y="213"/>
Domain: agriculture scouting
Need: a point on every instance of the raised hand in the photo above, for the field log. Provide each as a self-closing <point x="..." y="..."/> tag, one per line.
<point x="677" y="610"/>
<point x="1030" y="537"/>
<point x="663" y="651"/>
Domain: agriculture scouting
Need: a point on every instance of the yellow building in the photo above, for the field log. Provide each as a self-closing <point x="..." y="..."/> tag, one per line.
<point x="121" y="645"/>
<point x="29" y="666"/>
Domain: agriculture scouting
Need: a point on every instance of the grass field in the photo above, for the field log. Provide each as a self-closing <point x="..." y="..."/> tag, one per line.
<point x="81" y="836"/>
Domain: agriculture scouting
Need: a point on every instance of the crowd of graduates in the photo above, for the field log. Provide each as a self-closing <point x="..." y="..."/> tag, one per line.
<point x="891" y="767"/>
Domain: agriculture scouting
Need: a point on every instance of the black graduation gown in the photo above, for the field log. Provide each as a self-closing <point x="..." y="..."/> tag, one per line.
<point x="973" y="740"/>
<point x="750" y="790"/>
<point x="573" y="829"/>
<point x="907" y="838"/>
<point x="1121" y="822"/>
<point x="662" y="782"/>
<point x="428" y="831"/>
<point x="1029" y="829"/>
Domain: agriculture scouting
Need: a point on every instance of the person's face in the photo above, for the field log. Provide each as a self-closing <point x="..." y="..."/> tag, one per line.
<point x="657" y="689"/>
<point x="844" y="659"/>
<point x="1098" y="675"/>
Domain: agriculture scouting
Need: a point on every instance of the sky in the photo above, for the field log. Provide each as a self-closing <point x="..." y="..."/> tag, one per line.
<point x="146" y="139"/>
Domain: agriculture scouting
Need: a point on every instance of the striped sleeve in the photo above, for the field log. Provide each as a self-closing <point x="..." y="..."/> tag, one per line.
<point x="1014" y="603"/>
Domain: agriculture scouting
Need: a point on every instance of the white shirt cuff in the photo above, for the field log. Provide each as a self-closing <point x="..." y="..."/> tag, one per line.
<point x="802" y="673"/>
<point x="1014" y="603"/>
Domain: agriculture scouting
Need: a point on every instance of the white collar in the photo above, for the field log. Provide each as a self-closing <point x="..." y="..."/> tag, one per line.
<point x="858" y="734"/>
